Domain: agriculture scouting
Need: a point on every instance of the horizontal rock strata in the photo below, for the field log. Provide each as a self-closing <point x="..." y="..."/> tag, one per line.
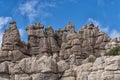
<point x="63" y="54"/>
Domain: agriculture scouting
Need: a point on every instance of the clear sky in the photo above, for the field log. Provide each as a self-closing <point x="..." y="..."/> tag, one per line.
<point x="57" y="13"/>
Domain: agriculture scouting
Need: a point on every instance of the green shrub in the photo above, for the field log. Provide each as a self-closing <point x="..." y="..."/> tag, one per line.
<point x="113" y="52"/>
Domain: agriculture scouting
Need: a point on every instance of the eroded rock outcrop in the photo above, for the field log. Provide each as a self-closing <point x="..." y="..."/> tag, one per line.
<point x="63" y="54"/>
<point x="31" y="68"/>
<point x="46" y="68"/>
<point x="12" y="47"/>
<point x="87" y="41"/>
<point x="104" y="68"/>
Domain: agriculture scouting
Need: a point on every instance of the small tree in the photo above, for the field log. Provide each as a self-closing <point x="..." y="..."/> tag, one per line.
<point x="113" y="52"/>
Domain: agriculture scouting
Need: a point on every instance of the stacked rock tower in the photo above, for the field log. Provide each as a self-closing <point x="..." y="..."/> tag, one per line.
<point x="63" y="54"/>
<point x="61" y="44"/>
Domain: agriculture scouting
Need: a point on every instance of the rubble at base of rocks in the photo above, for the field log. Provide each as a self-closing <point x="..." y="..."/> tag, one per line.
<point x="63" y="54"/>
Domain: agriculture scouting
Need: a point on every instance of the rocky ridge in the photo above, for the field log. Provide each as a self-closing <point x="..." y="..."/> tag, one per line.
<point x="63" y="54"/>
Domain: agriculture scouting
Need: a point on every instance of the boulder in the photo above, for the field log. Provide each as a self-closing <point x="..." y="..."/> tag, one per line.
<point x="62" y="66"/>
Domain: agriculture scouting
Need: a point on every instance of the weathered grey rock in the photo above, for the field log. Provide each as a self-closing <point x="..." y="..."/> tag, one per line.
<point x="4" y="77"/>
<point x="83" y="71"/>
<point x="52" y="43"/>
<point x="37" y="39"/>
<point x="13" y="56"/>
<point x="33" y="65"/>
<point x="4" y="67"/>
<point x="11" y="36"/>
<point x="68" y="74"/>
<point x="58" y="55"/>
<point x="59" y="36"/>
<point x="68" y="78"/>
<point x="44" y="76"/>
<point x="22" y="77"/>
<point x="62" y="66"/>
<point x="13" y="48"/>
<point x="87" y="41"/>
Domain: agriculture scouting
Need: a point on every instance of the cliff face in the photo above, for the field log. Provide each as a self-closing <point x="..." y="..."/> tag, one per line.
<point x="104" y="68"/>
<point x="57" y="55"/>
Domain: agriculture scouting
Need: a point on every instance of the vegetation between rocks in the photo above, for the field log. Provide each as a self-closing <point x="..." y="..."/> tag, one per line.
<point x="113" y="52"/>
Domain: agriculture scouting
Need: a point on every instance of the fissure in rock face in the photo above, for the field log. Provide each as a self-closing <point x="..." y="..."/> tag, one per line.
<point x="49" y="54"/>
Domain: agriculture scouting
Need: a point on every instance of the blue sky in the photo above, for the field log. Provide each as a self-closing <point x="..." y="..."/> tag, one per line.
<point x="57" y="13"/>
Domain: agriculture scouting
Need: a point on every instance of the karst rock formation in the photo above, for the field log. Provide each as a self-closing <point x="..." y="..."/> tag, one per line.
<point x="63" y="54"/>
